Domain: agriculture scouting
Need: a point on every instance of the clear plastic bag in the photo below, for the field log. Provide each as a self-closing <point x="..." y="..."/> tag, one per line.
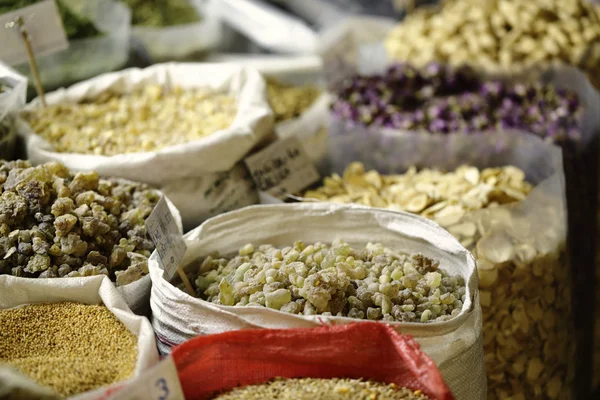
<point x="13" y="89"/>
<point x="89" y="57"/>
<point x="348" y="50"/>
<point x="525" y="288"/>
<point x="181" y="41"/>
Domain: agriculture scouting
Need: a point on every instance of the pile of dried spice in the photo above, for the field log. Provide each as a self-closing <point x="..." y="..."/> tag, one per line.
<point x="56" y="224"/>
<point x="322" y="389"/>
<point x="372" y="282"/>
<point x="69" y="347"/>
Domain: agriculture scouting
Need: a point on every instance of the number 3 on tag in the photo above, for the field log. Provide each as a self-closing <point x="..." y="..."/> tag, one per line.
<point x="162" y="389"/>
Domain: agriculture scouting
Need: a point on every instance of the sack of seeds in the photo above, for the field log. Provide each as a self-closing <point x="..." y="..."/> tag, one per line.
<point x="502" y="194"/>
<point x="13" y="89"/>
<point x="325" y="360"/>
<point x="179" y="127"/>
<point x="174" y="29"/>
<point x="90" y="338"/>
<point x="305" y="265"/>
<point x="98" y="34"/>
<point x="296" y="96"/>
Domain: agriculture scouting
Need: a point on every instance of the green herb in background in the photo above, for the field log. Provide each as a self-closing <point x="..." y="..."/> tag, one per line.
<point x="158" y="13"/>
<point x="76" y="26"/>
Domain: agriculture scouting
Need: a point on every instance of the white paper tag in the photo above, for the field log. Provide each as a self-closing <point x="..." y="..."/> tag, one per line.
<point x="43" y="25"/>
<point x="160" y="382"/>
<point x="231" y="190"/>
<point x="167" y="239"/>
<point x="282" y="168"/>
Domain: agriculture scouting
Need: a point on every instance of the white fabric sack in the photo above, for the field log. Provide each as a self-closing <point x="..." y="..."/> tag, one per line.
<point x="15" y="292"/>
<point x="310" y="127"/>
<point x="179" y="41"/>
<point x="182" y="171"/>
<point x="454" y="345"/>
<point x="92" y="56"/>
<point x="11" y="101"/>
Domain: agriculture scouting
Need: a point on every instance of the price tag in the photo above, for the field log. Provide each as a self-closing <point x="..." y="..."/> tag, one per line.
<point x="282" y="168"/>
<point x="167" y="238"/>
<point x="44" y="27"/>
<point x="158" y="383"/>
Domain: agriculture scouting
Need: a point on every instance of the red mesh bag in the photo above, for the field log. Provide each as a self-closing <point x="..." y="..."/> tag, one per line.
<point x="210" y="364"/>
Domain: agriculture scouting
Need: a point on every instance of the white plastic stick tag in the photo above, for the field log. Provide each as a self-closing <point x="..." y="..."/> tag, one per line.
<point x="158" y="383"/>
<point x="44" y="27"/>
<point x="167" y="239"/>
<point x="282" y="168"/>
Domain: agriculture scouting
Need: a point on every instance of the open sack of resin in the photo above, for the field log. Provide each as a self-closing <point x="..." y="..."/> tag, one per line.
<point x="59" y="224"/>
<point x="178" y="127"/>
<point x="70" y="337"/>
<point x="502" y="195"/>
<point x="305" y="265"/>
<point x="304" y="364"/>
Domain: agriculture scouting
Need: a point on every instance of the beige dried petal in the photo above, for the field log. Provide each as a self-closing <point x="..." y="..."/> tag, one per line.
<point x="496" y="247"/>
<point x="464" y="230"/>
<point x="524" y="255"/>
<point x="374" y="179"/>
<point x="534" y="369"/>
<point x="450" y="215"/>
<point x="471" y="175"/>
<point x="488" y="273"/>
<point x="485" y="298"/>
<point x="417" y="203"/>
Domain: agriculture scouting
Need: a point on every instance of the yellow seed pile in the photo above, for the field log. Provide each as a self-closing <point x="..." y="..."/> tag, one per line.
<point x="500" y="34"/>
<point x="289" y="101"/>
<point x="147" y="119"/>
<point x="69" y="347"/>
<point x="322" y="389"/>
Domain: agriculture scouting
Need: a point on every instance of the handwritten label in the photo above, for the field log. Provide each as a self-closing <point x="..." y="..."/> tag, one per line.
<point x="231" y="190"/>
<point x="167" y="238"/>
<point x="158" y="383"/>
<point x="282" y="168"/>
<point x="43" y="25"/>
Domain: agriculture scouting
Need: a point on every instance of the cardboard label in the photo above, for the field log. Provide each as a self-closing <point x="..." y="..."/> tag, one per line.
<point x="44" y="28"/>
<point x="282" y="168"/>
<point x="158" y="383"/>
<point x="167" y="238"/>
